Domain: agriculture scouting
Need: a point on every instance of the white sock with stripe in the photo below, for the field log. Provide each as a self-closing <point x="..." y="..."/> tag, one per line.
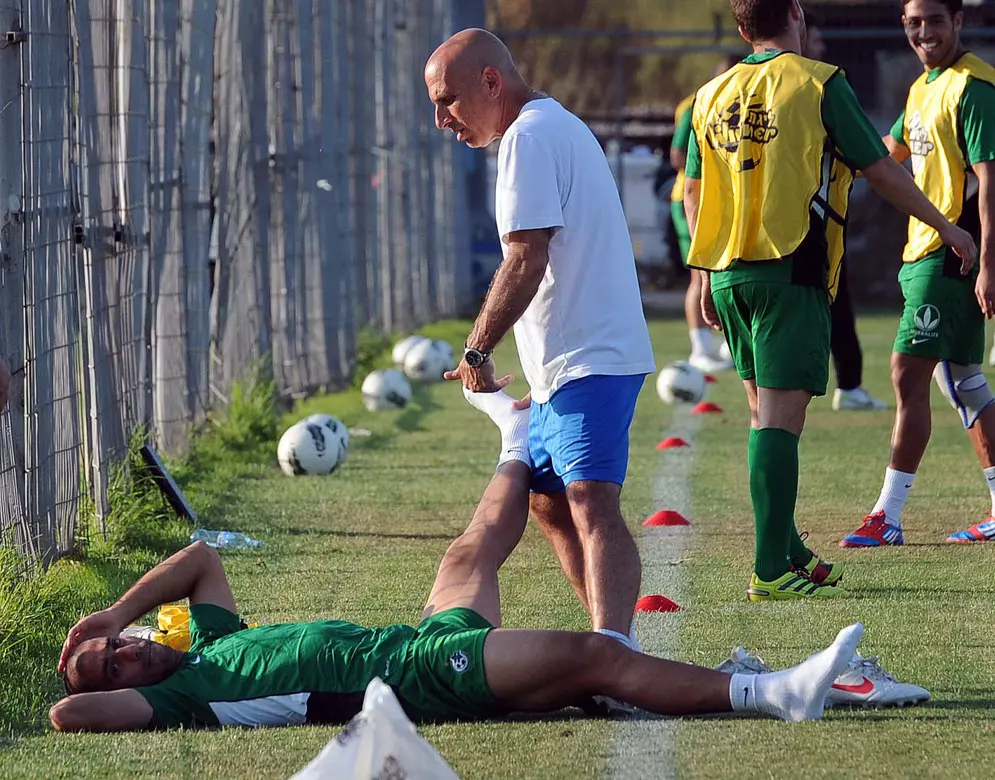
<point x="894" y="494"/>
<point x="990" y="476"/>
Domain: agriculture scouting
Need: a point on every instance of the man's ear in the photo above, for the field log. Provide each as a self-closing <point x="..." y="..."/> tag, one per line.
<point x="490" y="79"/>
<point x="744" y="36"/>
<point x="958" y="21"/>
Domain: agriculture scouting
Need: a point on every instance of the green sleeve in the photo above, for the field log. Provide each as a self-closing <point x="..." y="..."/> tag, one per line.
<point x="851" y="131"/>
<point x="209" y="622"/>
<point x="898" y="129"/>
<point x="692" y="169"/>
<point x="171" y="706"/>
<point x="682" y="133"/>
<point x="977" y="118"/>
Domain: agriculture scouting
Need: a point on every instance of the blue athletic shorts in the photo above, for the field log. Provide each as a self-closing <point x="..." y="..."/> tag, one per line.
<point x="582" y="432"/>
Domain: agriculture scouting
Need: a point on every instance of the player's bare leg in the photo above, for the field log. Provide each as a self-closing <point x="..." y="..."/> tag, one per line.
<point x="911" y="377"/>
<point x="967" y="390"/>
<point x="468" y="574"/>
<point x="542" y="671"/>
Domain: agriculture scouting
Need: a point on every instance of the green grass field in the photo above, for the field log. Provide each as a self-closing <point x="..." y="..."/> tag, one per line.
<point x="364" y="545"/>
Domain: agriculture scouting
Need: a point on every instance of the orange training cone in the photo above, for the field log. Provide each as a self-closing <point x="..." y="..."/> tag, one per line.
<point x="657" y="604"/>
<point x="672" y="441"/>
<point x="706" y="407"/>
<point x="666" y="517"/>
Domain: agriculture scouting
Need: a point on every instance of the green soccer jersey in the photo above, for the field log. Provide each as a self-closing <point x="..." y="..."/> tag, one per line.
<point x="855" y="139"/>
<point x="976" y="117"/>
<point x="274" y="675"/>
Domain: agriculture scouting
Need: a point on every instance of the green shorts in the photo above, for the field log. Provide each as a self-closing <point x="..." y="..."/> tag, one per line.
<point x="443" y="677"/>
<point x="681" y="228"/>
<point x="941" y="319"/>
<point x="778" y="333"/>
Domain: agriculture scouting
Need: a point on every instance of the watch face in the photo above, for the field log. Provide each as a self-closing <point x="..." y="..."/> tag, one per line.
<point x="472" y="358"/>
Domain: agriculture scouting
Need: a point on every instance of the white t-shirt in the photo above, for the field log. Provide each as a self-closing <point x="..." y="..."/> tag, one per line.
<point x="587" y="317"/>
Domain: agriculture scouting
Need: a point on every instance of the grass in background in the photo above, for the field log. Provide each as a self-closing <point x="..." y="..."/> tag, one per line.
<point x="364" y="545"/>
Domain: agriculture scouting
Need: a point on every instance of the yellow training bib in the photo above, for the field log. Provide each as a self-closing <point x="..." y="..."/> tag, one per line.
<point x="932" y="133"/>
<point x="769" y="171"/>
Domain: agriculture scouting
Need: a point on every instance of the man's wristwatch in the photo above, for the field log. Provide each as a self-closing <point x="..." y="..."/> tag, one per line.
<point x="474" y="357"/>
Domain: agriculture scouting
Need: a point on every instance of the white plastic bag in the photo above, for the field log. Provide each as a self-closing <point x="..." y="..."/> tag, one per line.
<point x="380" y="743"/>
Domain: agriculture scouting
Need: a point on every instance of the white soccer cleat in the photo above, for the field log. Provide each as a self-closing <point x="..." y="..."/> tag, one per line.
<point x="740" y="661"/>
<point x="724" y="352"/>
<point x="858" y="399"/>
<point x="864" y="683"/>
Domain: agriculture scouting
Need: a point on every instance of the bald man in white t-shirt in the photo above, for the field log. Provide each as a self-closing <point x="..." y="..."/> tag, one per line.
<point x="568" y="287"/>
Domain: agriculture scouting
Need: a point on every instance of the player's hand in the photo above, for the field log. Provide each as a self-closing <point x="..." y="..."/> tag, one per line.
<point x="523" y="403"/>
<point x="708" y="312"/>
<point x="480" y="379"/>
<point x="103" y="623"/>
<point x="984" y="290"/>
<point x="963" y="245"/>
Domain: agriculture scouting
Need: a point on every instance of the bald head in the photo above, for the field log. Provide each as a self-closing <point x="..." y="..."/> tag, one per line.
<point x="475" y="86"/>
<point x="469" y="52"/>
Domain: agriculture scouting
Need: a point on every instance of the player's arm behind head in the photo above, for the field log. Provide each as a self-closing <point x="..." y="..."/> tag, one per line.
<point x="124" y="710"/>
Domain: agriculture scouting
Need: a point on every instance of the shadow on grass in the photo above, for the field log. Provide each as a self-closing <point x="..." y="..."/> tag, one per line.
<point x="363" y="534"/>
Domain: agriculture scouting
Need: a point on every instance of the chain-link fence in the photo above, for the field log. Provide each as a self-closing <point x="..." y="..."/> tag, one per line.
<point x="189" y="187"/>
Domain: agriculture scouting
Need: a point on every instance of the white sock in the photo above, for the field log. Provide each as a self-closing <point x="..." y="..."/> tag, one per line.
<point x="618" y="637"/>
<point x="990" y="476"/>
<point x="513" y="423"/>
<point x="701" y="341"/>
<point x="894" y="494"/>
<point x="798" y="693"/>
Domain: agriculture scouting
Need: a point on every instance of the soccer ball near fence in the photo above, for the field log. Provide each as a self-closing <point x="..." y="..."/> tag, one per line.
<point x="447" y="352"/>
<point x="338" y="430"/>
<point x="387" y="388"/>
<point x="425" y="362"/>
<point x="680" y="382"/>
<point x="402" y="347"/>
<point x="309" y="448"/>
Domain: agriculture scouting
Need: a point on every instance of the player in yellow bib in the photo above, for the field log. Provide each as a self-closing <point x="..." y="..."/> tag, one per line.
<point x="775" y="145"/>
<point x="948" y="131"/>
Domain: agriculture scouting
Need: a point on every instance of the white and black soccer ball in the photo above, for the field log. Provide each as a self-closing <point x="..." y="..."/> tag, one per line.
<point x="402" y="347"/>
<point x="446" y="349"/>
<point x="309" y="448"/>
<point x="385" y="389"/>
<point x="680" y="382"/>
<point x="425" y="362"/>
<point x="338" y="430"/>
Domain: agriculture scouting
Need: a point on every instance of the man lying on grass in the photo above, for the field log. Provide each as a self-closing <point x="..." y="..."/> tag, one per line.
<point x="456" y="665"/>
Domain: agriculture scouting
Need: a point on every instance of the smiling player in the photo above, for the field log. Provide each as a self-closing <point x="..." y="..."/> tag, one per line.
<point x="948" y="129"/>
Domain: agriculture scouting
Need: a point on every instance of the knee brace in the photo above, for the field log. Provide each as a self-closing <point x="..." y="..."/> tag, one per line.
<point x="965" y="387"/>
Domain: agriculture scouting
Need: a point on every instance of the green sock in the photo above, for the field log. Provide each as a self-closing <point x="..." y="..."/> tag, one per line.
<point x="774" y="488"/>
<point x="799" y="554"/>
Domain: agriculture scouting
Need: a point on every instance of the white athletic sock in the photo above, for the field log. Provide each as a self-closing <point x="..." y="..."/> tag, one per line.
<point x="894" y="494"/>
<point x="513" y="423"/>
<point x="618" y="637"/>
<point x="798" y="693"/>
<point x="701" y="341"/>
<point x="990" y="476"/>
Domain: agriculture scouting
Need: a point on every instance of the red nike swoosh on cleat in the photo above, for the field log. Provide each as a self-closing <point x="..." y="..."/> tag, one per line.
<point x="865" y="687"/>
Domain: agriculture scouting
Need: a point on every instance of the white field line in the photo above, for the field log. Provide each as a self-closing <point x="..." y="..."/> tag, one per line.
<point x="645" y="747"/>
